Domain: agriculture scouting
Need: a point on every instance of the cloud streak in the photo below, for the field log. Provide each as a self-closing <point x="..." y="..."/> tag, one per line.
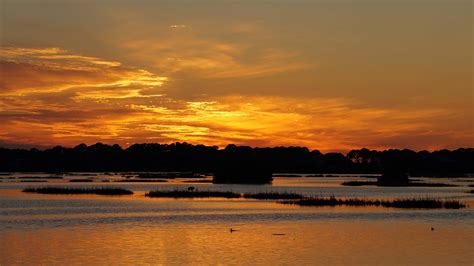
<point x="50" y="96"/>
<point x="212" y="59"/>
<point x="53" y="70"/>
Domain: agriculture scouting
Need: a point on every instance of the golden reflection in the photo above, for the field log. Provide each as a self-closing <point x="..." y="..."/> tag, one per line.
<point x="302" y="242"/>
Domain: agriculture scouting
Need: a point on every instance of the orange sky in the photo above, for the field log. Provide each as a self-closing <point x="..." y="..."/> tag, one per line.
<point x="329" y="75"/>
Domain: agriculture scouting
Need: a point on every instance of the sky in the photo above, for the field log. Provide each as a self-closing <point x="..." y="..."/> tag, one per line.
<point x="332" y="75"/>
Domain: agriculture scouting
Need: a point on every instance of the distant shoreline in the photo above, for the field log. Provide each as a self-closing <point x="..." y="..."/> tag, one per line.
<point x="197" y="159"/>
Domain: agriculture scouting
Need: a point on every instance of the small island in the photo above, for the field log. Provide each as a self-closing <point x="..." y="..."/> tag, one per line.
<point x="79" y="190"/>
<point x="395" y="173"/>
<point x="242" y="171"/>
<point x="242" y="177"/>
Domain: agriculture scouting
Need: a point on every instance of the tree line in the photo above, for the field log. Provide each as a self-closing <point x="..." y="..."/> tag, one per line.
<point x="186" y="157"/>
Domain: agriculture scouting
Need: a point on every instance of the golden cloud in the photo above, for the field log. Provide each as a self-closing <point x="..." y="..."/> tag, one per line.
<point x="51" y="96"/>
<point x="53" y="70"/>
<point x="207" y="58"/>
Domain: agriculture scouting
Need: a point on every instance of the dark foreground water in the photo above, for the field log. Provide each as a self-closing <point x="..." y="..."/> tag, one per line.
<point x="97" y="230"/>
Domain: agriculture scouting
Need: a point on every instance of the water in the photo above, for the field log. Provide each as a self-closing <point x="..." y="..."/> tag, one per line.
<point x="97" y="230"/>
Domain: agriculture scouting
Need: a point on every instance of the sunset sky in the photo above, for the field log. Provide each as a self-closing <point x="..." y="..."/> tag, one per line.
<point x="332" y="75"/>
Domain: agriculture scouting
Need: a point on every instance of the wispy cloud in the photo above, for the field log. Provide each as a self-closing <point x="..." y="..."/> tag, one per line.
<point x="180" y="26"/>
<point x="51" y="96"/>
<point x="208" y="58"/>
<point x="50" y="70"/>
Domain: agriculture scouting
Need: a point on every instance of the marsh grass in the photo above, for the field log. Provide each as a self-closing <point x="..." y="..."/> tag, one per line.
<point x="142" y="181"/>
<point x="41" y="177"/>
<point x="192" y="194"/>
<point x="413" y="203"/>
<point x="359" y="183"/>
<point x="221" y="194"/>
<point x="424" y="184"/>
<point x="273" y="195"/>
<point x="198" y="181"/>
<point x="298" y="199"/>
<point x="410" y="184"/>
<point x="73" y="190"/>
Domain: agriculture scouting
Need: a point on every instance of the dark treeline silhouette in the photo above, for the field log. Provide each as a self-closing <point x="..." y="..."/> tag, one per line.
<point x="185" y="157"/>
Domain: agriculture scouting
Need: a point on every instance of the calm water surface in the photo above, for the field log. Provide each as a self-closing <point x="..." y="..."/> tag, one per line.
<point x="97" y="230"/>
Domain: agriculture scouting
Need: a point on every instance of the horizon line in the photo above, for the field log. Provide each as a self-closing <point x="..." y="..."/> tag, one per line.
<point x="20" y="146"/>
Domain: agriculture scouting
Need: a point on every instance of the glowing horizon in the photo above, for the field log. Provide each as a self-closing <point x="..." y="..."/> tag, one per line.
<point x="332" y="77"/>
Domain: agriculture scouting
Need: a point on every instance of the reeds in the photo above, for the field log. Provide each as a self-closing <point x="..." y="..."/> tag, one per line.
<point x="142" y="181"/>
<point x="41" y="177"/>
<point x="272" y="195"/>
<point x="424" y="184"/>
<point x="410" y="184"/>
<point x="359" y="183"/>
<point x="73" y="190"/>
<point x="413" y="203"/>
<point x="220" y="194"/>
<point x="198" y="181"/>
<point x="284" y="197"/>
<point x="192" y="194"/>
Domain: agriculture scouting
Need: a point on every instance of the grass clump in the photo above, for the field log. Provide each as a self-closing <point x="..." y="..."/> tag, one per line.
<point x="80" y="180"/>
<point x="222" y="194"/>
<point x="414" y="203"/>
<point x="192" y="194"/>
<point x="359" y="183"/>
<point x="332" y="201"/>
<point x="73" y="190"/>
<point x="143" y="181"/>
<point x="273" y="195"/>
<point x="424" y="184"/>
<point x="410" y="184"/>
<point x="203" y="181"/>
<point x="286" y="175"/>
<point x="41" y="177"/>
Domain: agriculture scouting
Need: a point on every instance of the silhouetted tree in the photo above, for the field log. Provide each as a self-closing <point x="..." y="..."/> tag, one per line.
<point x="186" y="157"/>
